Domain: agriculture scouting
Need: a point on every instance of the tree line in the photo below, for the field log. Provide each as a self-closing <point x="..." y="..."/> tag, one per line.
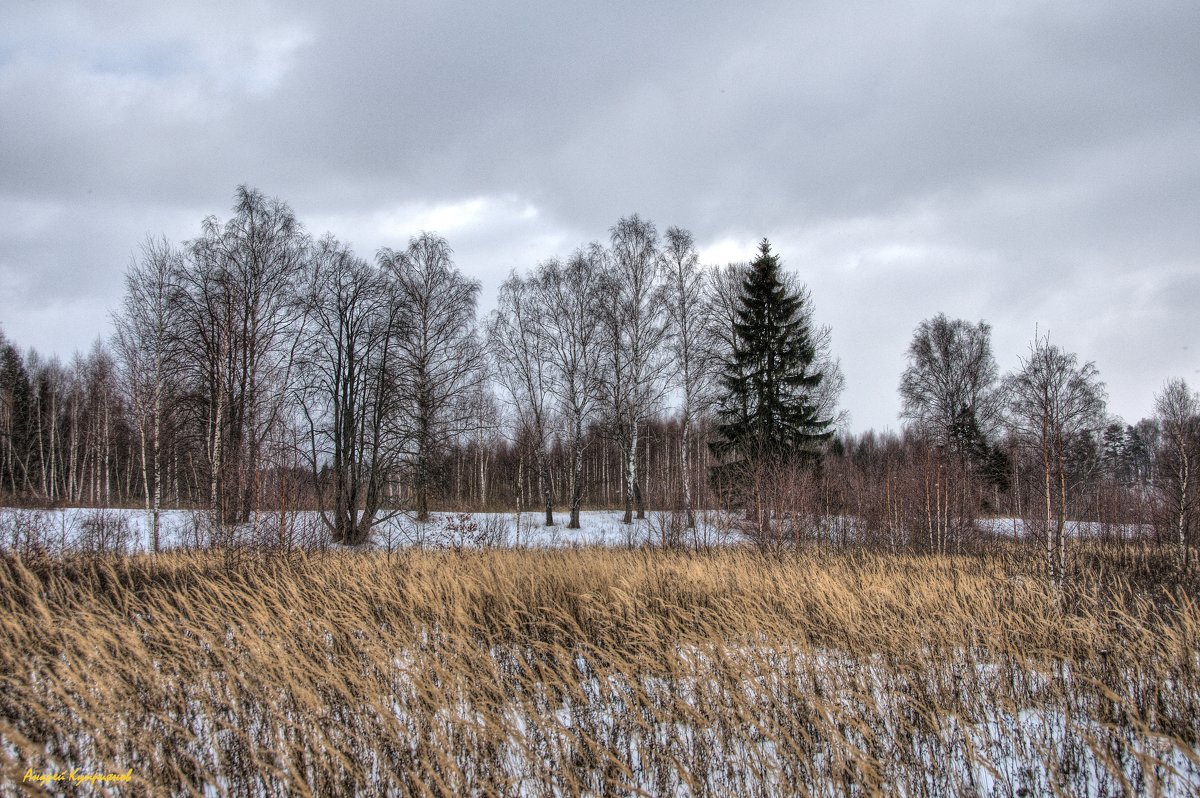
<point x="255" y="368"/>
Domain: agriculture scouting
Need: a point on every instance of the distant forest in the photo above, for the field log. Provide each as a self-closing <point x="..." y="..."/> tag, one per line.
<point x="257" y="368"/>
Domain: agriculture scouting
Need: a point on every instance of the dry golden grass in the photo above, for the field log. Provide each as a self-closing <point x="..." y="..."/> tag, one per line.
<point x="601" y="672"/>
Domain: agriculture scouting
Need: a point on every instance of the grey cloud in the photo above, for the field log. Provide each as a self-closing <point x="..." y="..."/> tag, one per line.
<point x="1023" y="162"/>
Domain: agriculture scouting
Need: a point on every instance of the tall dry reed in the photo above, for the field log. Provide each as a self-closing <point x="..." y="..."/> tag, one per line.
<point x="601" y="672"/>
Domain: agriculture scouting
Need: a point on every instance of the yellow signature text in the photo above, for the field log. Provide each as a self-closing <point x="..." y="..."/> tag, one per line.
<point x="76" y="776"/>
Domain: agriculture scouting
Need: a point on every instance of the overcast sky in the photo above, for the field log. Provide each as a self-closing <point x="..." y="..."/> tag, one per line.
<point x="1034" y="164"/>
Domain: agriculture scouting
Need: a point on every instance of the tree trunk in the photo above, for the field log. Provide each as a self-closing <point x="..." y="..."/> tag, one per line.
<point x="685" y="470"/>
<point x="544" y="483"/>
<point x="1047" y="478"/>
<point x="630" y="474"/>
<point x="576" y="472"/>
<point x="1182" y="501"/>
<point x="637" y="485"/>
<point x="72" y="447"/>
<point x="1062" y="516"/>
<point x="216" y="454"/>
<point x="105" y="447"/>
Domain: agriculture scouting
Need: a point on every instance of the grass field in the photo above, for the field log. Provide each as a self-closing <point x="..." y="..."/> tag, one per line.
<point x="600" y="671"/>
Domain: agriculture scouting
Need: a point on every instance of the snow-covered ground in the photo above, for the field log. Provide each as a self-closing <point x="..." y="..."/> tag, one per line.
<point x="127" y="530"/>
<point x="1015" y="528"/>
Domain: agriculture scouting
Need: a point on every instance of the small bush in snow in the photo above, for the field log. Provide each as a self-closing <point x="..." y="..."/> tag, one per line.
<point x="104" y="531"/>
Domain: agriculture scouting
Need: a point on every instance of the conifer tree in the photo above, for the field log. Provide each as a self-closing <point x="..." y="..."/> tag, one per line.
<point x="16" y="422"/>
<point x="766" y="413"/>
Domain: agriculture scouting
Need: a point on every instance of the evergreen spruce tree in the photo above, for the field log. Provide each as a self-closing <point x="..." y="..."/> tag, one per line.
<point x="766" y="414"/>
<point x="16" y="422"/>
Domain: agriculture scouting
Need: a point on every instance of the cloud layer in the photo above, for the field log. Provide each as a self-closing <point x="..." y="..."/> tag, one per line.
<point x="1028" y="163"/>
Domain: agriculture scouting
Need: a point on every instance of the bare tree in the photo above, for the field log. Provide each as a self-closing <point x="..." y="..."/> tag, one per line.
<point x="686" y="287"/>
<point x="636" y="332"/>
<point x="949" y="388"/>
<point x="950" y="397"/>
<point x="103" y="414"/>
<point x="144" y="343"/>
<point x="1178" y="413"/>
<point x="724" y="290"/>
<point x="239" y="329"/>
<point x="345" y="392"/>
<point x="520" y="343"/>
<point x="574" y="332"/>
<point x="48" y="380"/>
<point x="439" y="359"/>
<point x="1051" y="399"/>
<point x="486" y="419"/>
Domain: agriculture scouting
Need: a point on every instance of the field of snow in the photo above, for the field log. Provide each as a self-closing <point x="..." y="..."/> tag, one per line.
<point x="126" y="530"/>
<point x="1015" y="528"/>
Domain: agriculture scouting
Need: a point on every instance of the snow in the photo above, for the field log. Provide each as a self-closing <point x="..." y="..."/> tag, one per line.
<point x="1015" y="528"/>
<point x="128" y="530"/>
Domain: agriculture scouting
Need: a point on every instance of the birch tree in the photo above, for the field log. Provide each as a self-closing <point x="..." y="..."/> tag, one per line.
<point x="439" y="359"/>
<point x="143" y="339"/>
<point x="948" y="388"/>
<point x="1051" y="398"/>
<point x="240" y="323"/>
<point x="686" y="288"/>
<point x="346" y="389"/>
<point x="636" y="331"/>
<point x="520" y="344"/>
<point x="568" y="293"/>
<point x="1178" y="414"/>
<point x="49" y="380"/>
